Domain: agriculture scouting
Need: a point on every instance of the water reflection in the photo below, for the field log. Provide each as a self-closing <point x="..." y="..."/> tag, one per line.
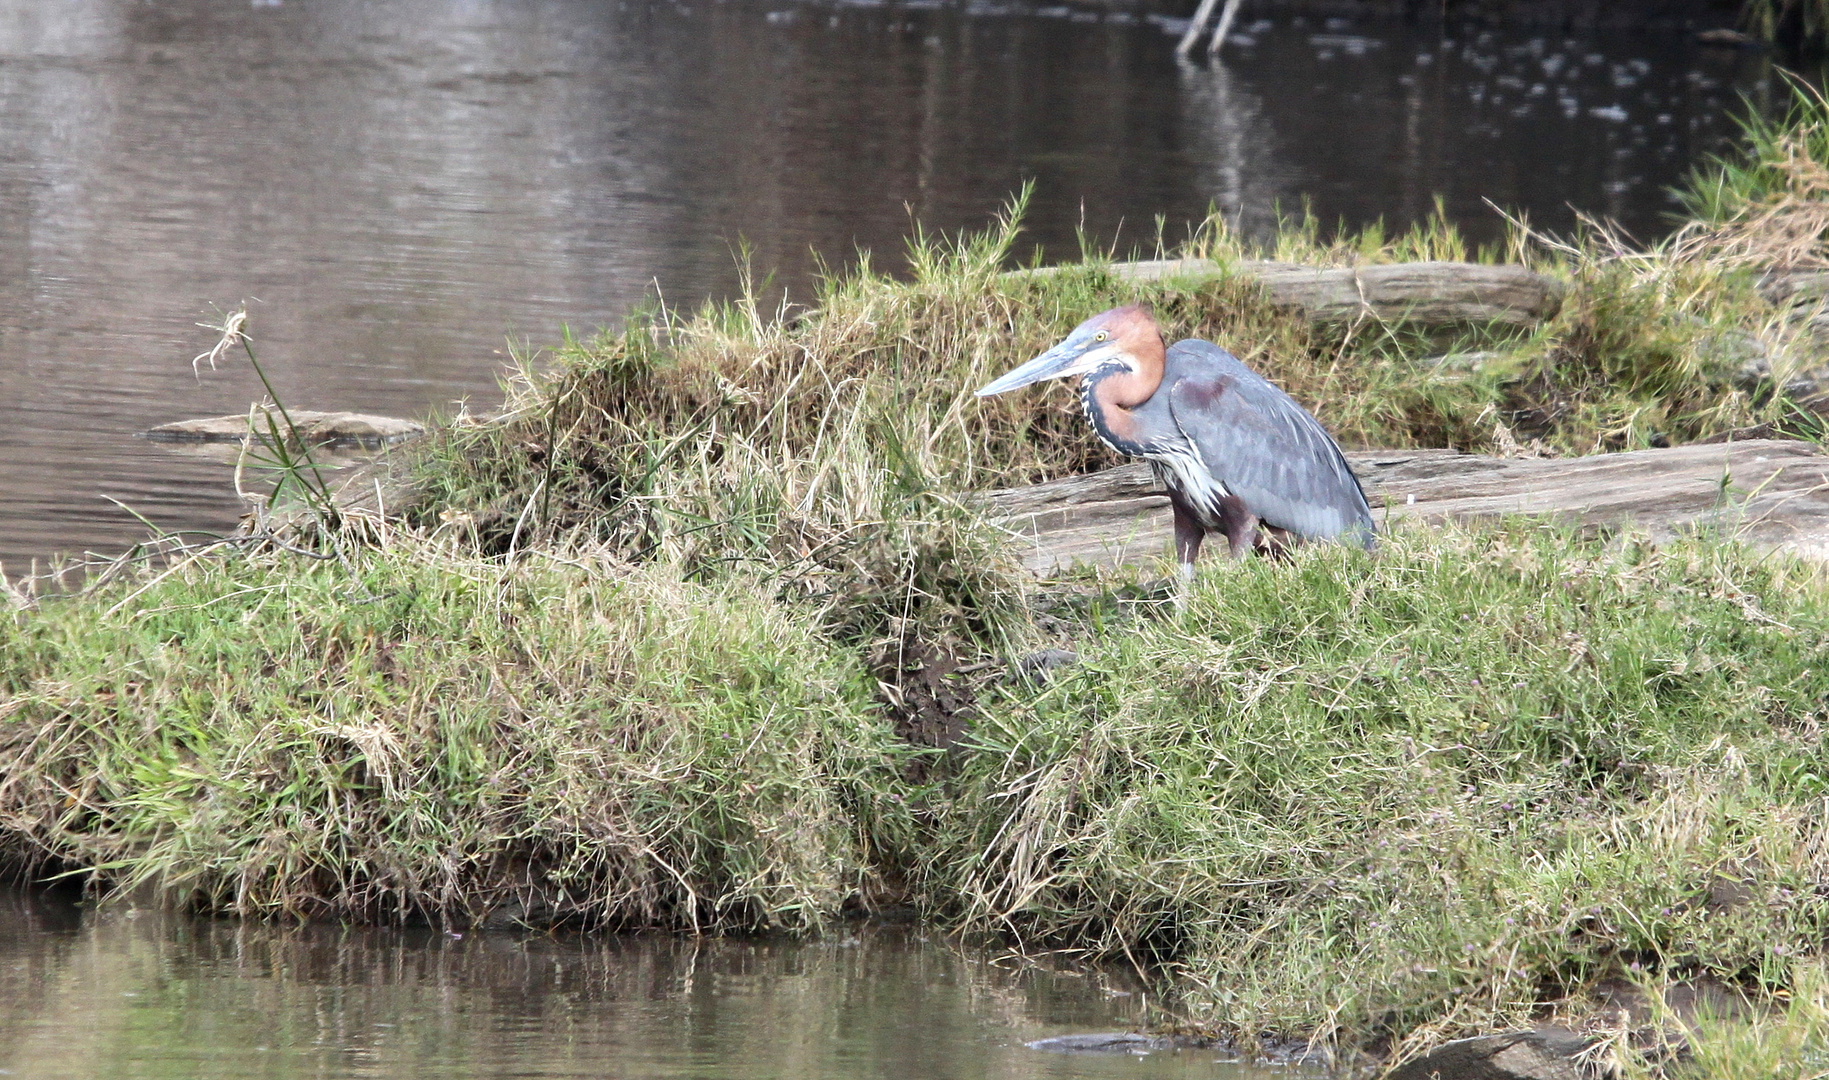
<point x="138" y="994"/>
<point x="406" y="185"/>
<point x="1383" y="120"/>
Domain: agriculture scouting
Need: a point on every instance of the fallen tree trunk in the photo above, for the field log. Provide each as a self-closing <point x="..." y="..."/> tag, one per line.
<point x="1771" y="493"/>
<point x="307" y="426"/>
<point x="1431" y="293"/>
<point x="1426" y="293"/>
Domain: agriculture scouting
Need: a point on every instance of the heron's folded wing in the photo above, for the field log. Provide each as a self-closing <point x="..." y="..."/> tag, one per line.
<point x="1264" y="447"/>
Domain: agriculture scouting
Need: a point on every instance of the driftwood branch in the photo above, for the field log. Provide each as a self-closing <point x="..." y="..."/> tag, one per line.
<point x="1427" y="293"/>
<point x="340" y="429"/>
<point x="1773" y="493"/>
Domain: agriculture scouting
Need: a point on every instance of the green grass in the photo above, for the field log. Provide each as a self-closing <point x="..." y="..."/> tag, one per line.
<point x="1786" y="1040"/>
<point x="555" y="740"/>
<point x="1728" y="1035"/>
<point x="1440" y="786"/>
<point x="1336" y="797"/>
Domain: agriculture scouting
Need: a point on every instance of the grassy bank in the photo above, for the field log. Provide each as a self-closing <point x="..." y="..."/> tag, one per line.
<point x="447" y="737"/>
<point x="1443" y="786"/>
<point x="669" y="643"/>
<point x="1447" y="788"/>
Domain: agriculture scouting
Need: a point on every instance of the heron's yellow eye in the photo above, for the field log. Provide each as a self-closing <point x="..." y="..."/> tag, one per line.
<point x="1100" y="336"/>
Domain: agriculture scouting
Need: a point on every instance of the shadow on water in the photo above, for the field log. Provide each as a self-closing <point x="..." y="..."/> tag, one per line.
<point x="120" y="992"/>
<point x="406" y="185"/>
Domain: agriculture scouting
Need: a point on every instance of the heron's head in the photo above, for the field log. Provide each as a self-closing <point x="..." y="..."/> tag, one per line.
<point x="1119" y="339"/>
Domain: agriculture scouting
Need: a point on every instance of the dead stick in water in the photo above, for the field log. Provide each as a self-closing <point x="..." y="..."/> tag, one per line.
<point x="1225" y="26"/>
<point x="1196" y="25"/>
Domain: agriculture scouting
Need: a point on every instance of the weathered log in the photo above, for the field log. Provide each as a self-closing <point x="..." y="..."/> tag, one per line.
<point x="1771" y="493"/>
<point x="1428" y="293"/>
<point x="1432" y="293"/>
<point x="347" y="429"/>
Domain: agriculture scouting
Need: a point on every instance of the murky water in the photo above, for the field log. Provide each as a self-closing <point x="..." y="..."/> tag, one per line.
<point x="406" y="185"/>
<point x="120" y="993"/>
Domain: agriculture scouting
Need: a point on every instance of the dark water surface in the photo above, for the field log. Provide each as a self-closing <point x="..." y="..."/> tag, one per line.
<point x="405" y="185"/>
<point x="124" y="993"/>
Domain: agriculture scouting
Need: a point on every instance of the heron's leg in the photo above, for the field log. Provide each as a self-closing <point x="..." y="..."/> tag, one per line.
<point x="1188" y="534"/>
<point x="1274" y="542"/>
<point x="1240" y="527"/>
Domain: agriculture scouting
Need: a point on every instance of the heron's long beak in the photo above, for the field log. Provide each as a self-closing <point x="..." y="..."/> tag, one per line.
<point x="1060" y="360"/>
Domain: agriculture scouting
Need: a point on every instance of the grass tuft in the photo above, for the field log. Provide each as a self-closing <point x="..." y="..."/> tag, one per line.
<point x="1766" y="202"/>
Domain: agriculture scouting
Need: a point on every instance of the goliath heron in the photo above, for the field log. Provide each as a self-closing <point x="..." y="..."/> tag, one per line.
<point x="1237" y="455"/>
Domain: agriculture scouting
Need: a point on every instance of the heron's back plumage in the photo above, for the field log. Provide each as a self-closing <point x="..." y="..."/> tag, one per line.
<point x="1255" y="443"/>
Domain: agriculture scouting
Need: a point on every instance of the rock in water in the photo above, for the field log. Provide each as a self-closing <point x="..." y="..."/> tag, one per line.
<point x="1542" y="1054"/>
<point x="1109" y="1042"/>
<point x="314" y="428"/>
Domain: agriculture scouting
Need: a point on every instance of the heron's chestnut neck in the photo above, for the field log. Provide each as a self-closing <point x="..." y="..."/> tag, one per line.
<point x="1129" y="388"/>
<point x="1109" y="396"/>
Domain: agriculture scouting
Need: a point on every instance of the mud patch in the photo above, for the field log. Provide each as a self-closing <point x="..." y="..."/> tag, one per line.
<point x="926" y="691"/>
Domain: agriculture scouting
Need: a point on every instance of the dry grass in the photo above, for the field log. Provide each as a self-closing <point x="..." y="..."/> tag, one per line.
<point x="1766" y="203"/>
<point x="1784" y="228"/>
<point x="447" y="737"/>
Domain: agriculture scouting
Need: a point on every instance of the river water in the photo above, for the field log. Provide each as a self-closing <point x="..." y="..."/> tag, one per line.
<point x="125" y="993"/>
<point x="406" y="186"/>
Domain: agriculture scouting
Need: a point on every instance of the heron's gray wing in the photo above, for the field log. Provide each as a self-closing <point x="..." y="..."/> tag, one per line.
<point x="1262" y="445"/>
